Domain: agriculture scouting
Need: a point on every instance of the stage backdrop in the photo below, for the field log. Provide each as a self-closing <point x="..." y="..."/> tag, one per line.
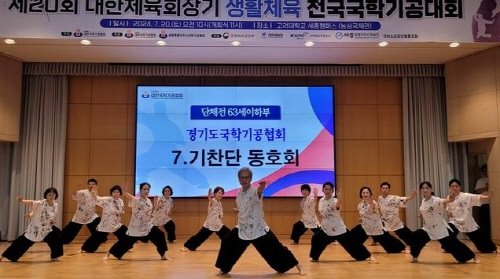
<point x="194" y="138"/>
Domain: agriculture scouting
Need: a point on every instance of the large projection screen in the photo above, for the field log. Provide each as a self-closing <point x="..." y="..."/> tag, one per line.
<point x="196" y="137"/>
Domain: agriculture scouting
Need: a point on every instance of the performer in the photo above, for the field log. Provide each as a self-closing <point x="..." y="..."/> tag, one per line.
<point x="371" y="224"/>
<point x="333" y="229"/>
<point x="85" y="213"/>
<point x="140" y="227"/>
<point x="41" y="228"/>
<point x="309" y="219"/>
<point x="112" y="211"/>
<point x="212" y="224"/>
<point x="252" y="229"/>
<point x="461" y="220"/>
<point x="436" y="228"/>
<point x="162" y="213"/>
<point x="389" y="212"/>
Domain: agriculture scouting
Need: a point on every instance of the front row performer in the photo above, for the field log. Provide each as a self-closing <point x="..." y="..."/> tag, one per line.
<point x="213" y="224"/>
<point x="389" y="212"/>
<point x="41" y="228"/>
<point x="140" y="227"/>
<point x="112" y="211"/>
<point x="461" y="219"/>
<point x="309" y="218"/>
<point x="252" y="229"/>
<point x="84" y="214"/>
<point x="371" y="224"/>
<point x="334" y="229"/>
<point x="436" y="228"/>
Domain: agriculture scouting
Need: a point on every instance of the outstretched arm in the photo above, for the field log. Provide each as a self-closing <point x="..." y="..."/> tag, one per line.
<point x="485" y="196"/>
<point x="412" y="196"/>
<point x="21" y="200"/>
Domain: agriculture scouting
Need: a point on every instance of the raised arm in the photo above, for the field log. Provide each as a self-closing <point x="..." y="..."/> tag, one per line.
<point x="262" y="187"/>
<point x="315" y="195"/>
<point x="337" y="195"/>
<point x="209" y="197"/>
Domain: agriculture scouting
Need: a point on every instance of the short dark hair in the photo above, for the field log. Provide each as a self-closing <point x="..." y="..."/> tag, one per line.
<point x="385" y="183"/>
<point x="218" y="188"/>
<point x="144" y="184"/>
<point x="454" y="180"/>
<point x="363" y="188"/>
<point x="328" y="183"/>
<point x="114" y="188"/>
<point x="305" y="187"/>
<point x="167" y="187"/>
<point x="424" y="183"/>
<point x="50" y="190"/>
<point x="92" y="180"/>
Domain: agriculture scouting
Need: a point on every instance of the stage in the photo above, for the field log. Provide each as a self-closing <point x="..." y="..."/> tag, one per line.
<point x="144" y="262"/>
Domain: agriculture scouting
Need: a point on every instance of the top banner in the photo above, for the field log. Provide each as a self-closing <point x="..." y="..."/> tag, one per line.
<point x="205" y="22"/>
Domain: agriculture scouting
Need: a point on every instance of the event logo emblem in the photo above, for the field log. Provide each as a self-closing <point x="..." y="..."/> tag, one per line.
<point x="78" y="33"/>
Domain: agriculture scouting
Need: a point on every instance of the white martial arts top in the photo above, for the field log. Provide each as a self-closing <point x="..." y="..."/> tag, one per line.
<point x="433" y="211"/>
<point x="112" y="210"/>
<point x="141" y="221"/>
<point x="42" y="218"/>
<point x="331" y="221"/>
<point x="309" y="217"/>
<point x="85" y="207"/>
<point x="163" y="209"/>
<point x="214" y="216"/>
<point x="251" y="224"/>
<point x="389" y="211"/>
<point x="370" y="219"/>
<point x="460" y="211"/>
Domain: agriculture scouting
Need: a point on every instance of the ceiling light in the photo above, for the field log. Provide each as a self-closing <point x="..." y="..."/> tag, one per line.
<point x="383" y="44"/>
<point x="161" y="43"/>
<point x="9" y="41"/>
<point x="235" y="43"/>
<point x="309" y="44"/>
<point x="85" y="42"/>
<point x="454" y="44"/>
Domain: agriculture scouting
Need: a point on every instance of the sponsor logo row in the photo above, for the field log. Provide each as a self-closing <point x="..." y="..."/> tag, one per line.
<point x="225" y="35"/>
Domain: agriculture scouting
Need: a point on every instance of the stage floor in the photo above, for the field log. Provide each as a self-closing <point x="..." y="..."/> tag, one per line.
<point x="144" y="262"/>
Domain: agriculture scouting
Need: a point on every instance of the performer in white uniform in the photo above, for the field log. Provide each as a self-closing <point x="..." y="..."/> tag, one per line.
<point x="334" y="229"/>
<point x="41" y="228"/>
<point x="389" y="212"/>
<point x="141" y="227"/>
<point x="213" y="224"/>
<point x="85" y="212"/>
<point x="162" y="213"/>
<point x="309" y="218"/>
<point x="252" y="229"/>
<point x="112" y="211"/>
<point x="371" y="224"/>
<point x="461" y="219"/>
<point x="436" y="228"/>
